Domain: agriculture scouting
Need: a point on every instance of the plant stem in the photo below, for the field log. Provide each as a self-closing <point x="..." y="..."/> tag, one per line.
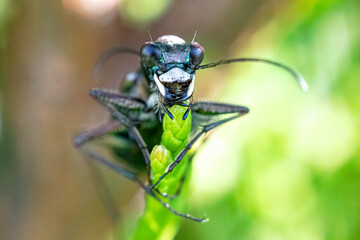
<point x="157" y="222"/>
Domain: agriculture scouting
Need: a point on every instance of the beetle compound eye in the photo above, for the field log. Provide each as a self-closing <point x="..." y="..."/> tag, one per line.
<point x="196" y="53"/>
<point x="150" y="54"/>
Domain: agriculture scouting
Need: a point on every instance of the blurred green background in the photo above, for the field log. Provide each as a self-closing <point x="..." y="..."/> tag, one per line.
<point x="288" y="170"/>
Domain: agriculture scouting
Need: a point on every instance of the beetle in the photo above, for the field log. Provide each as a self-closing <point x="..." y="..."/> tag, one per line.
<point x="166" y="77"/>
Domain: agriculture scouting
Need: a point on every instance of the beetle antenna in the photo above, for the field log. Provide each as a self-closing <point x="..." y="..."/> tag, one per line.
<point x="192" y="41"/>
<point x="298" y="77"/>
<point x="107" y="54"/>
<point x="150" y="36"/>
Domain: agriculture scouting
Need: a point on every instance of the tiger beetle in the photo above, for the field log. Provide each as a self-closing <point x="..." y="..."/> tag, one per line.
<point x="166" y="77"/>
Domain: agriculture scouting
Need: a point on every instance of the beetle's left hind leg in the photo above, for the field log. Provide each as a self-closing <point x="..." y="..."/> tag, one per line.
<point x="108" y="127"/>
<point x="80" y="142"/>
<point x="99" y="182"/>
<point x="133" y="176"/>
<point x="104" y="192"/>
<point x="212" y="109"/>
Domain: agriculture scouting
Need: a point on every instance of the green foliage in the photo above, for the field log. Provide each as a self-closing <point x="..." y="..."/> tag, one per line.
<point x="292" y="165"/>
<point x="157" y="221"/>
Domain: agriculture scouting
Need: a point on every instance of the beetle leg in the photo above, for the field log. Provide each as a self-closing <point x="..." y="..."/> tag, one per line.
<point x="111" y="100"/>
<point x="101" y="130"/>
<point x="108" y="127"/>
<point x="133" y="176"/>
<point x="182" y="181"/>
<point x="101" y="186"/>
